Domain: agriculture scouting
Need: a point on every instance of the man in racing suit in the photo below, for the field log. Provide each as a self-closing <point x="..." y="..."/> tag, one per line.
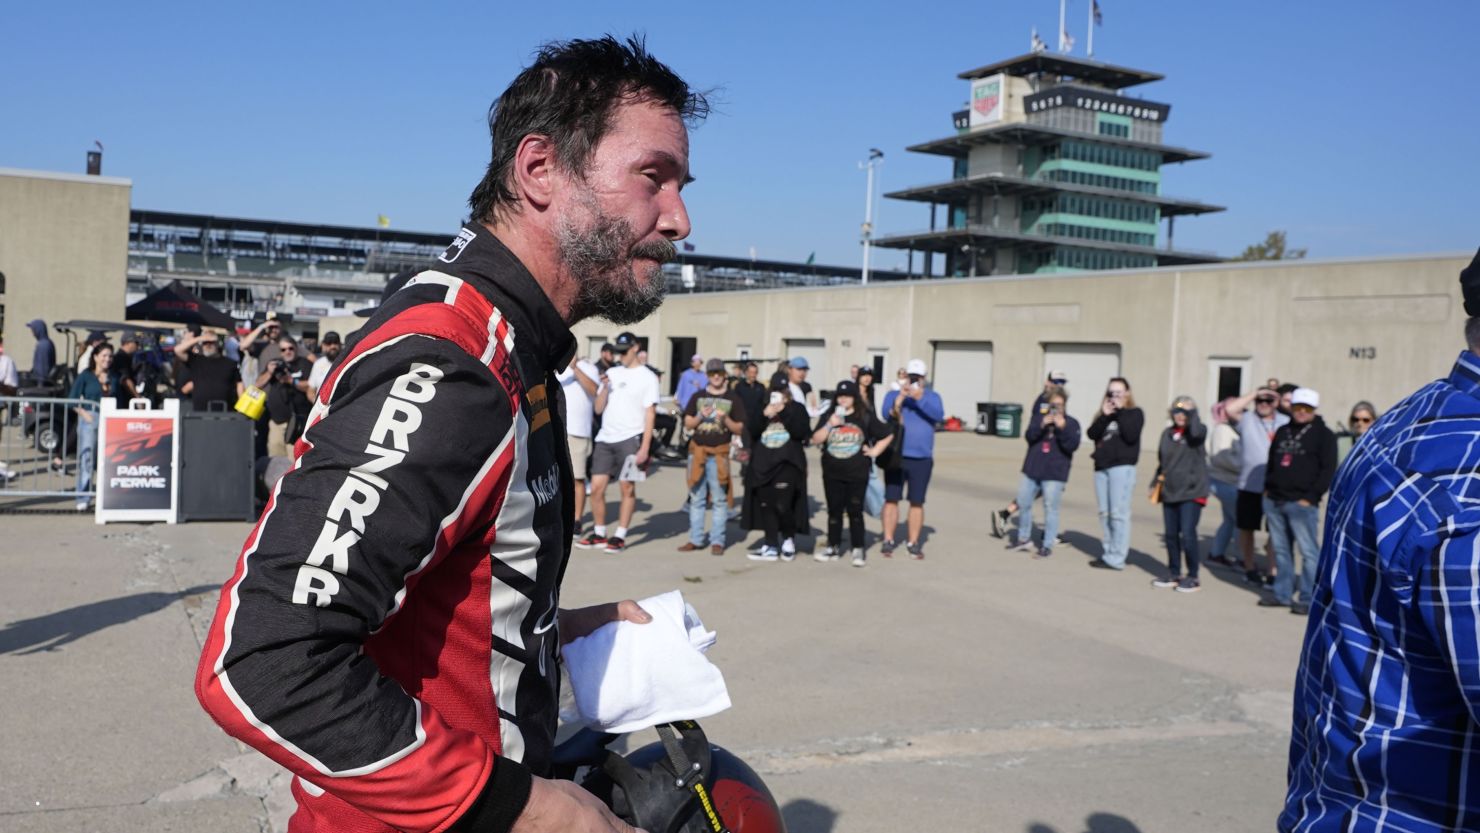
<point x="392" y="630"/>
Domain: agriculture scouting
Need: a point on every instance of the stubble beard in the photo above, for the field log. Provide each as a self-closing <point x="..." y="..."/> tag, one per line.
<point x="601" y="259"/>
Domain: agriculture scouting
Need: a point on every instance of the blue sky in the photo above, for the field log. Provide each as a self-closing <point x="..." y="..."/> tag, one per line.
<point x="1352" y="125"/>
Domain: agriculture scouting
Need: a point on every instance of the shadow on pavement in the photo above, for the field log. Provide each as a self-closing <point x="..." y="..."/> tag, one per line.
<point x="1095" y="823"/>
<point x="53" y="630"/>
<point x="804" y="815"/>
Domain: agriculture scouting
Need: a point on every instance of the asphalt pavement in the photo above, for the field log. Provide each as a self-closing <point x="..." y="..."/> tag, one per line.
<point x="976" y="689"/>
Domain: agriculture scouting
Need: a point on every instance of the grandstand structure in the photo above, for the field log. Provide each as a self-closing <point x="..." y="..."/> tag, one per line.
<point x="1055" y="168"/>
<point x="306" y="271"/>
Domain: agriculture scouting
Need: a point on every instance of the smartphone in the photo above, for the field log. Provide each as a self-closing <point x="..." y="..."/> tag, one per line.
<point x="776" y="398"/>
<point x="842" y="412"/>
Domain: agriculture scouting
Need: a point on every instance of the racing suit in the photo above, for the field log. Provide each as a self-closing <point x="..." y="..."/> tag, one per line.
<point x="389" y="634"/>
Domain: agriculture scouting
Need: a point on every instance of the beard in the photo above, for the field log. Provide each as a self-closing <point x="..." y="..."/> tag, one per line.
<point x="601" y="258"/>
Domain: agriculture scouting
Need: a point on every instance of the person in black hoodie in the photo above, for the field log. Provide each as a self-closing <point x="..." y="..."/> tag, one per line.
<point x="776" y="478"/>
<point x="1052" y="437"/>
<point x="1182" y="474"/>
<point x="1302" y="462"/>
<point x="1116" y="433"/>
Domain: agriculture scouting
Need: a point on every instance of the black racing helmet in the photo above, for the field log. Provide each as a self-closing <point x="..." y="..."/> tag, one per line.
<point x="685" y="784"/>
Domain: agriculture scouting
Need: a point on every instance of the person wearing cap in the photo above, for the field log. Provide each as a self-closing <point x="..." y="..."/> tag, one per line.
<point x="213" y="377"/>
<point x="1056" y="380"/>
<point x="801" y="390"/>
<point x="919" y="410"/>
<point x="866" y="388"/>
<point x="1052" y="440"/>
<point x="1301" y="463"/>
<point x="776" y="477"/>
<point x="1260" y="419"/>
<point x="608" y="358"/>
<point x="1387" y="694"/>
<point x="329" y="347"/>
<point x="691" y="381"/>
<point x="851" y="438"/>
<point x="262" y="342"/>
<point x="627" y="402"/>
<point x="1181" y="487"/>
<point x="713" y="415"/>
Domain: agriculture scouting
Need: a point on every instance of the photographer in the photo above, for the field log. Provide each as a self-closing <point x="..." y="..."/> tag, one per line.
<point x="1182" y="475"/>
<point x="286" y="381"/>
<point x="1052" y="439"/>
<point x="213" y="377"/>
<point x="1116" y="433"/>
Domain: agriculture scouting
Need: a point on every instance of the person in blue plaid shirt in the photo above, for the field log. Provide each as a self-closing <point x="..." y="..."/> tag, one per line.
<point x="1386" y="733"/>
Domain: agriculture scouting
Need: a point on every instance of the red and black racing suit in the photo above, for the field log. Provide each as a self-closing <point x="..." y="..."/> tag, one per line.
<point x="389" y="633"/>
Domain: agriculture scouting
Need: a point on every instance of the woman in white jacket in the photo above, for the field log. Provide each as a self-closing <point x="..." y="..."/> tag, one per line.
<point x="1223" y="466"/>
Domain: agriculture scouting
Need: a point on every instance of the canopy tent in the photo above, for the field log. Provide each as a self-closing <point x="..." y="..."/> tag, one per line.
<point x="176" y="304"/>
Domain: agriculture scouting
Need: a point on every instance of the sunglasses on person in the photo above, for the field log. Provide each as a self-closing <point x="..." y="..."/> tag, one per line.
<point x="1361" y="420"/>
<point x="1265" y="400"/>
<point x="1059" y="381"/>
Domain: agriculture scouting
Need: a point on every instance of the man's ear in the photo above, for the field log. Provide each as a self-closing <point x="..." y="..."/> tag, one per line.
<point x="534" y="171"/>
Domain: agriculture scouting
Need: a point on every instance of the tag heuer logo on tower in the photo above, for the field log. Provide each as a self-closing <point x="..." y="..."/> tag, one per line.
<point x="986" y="100"/>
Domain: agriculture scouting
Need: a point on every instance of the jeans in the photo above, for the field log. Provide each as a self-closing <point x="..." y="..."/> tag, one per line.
<point x="1113" y="487"/>
<point x="708" y="488"/>
<point x="1181" y="535"/>
<point x="1028" y="490"/>
<point x="1290" y="523"/>
<point x="87" y="454"/>
<point x="1227" y="495"/>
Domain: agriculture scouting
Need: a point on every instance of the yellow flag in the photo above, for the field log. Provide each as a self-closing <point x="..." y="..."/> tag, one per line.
<point x="383" y="221"/>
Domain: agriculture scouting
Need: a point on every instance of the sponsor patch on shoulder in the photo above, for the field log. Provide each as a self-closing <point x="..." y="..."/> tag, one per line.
<point x="455" y="249"/>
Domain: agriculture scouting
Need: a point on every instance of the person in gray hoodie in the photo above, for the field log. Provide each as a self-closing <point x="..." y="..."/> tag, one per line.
<point x="1181" y="485"/>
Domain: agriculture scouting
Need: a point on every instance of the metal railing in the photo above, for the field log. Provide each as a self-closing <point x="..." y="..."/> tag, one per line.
<point x="39" y="448"/>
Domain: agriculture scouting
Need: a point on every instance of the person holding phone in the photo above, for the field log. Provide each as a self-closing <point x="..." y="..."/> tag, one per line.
<point x="1116" y="433"/>
<point x="1052" y="439"/>
<point x="776" y="478"/>
<point x="1182" y="474"/>
<point x="851" y="438"/>
<point x="919" y="410"/>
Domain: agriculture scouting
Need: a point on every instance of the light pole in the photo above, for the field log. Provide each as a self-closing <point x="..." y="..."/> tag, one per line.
<point x="875" y="159"/>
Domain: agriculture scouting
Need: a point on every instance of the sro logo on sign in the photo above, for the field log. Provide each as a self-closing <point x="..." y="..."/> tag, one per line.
<point x="139" y="427"/>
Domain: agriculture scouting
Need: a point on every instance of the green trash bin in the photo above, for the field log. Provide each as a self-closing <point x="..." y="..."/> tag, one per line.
<point x="1008" y="418"/>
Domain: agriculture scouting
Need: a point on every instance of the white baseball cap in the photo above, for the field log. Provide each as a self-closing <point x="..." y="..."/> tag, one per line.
<point x="1305" y="396"/>
<point x="916" y="367"/>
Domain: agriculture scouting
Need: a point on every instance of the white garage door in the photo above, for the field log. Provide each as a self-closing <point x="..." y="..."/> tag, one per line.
<point x="815" y="351"/>
<point x="1088" y="368"/>
<point x="963" y="376"/>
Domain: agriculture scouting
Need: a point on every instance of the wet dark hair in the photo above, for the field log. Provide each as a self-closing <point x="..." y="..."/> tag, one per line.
<point x="570" y="94"/>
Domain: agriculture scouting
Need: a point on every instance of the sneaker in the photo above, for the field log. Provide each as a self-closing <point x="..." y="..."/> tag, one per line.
<point x="755" y="549"/>
<point x="716" y="549"/>
<point x="887" y="548"/>
<point x="788" y="550"/>
<point x="1188" y="585"/>
<point x="1020" y="546"/>
<point x="763" y="554"/>
<point x="1271" y="601"/>
<point x="999" y="523"/>
<point x="1252" y="577"/>
<point x="83" y="506"/>
<point x="1043" y="552"/>
<point x="615" y="545"/>
<point x="827" y="554"/>
<point x="1300" y="608"/>
<point x="916" y="551"/>
<point x="1164" y="583"/>
<point x="1058" y="540"/>
<point x="859" y="559"/>
<point x="592" y="541"/>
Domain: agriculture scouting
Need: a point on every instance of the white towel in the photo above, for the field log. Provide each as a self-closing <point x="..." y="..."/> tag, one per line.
<point x="627" y="677"/>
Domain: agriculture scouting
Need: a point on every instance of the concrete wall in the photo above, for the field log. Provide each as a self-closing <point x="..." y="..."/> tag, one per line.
<point x="63" y="250"/>
<point x="1370" y="329"/>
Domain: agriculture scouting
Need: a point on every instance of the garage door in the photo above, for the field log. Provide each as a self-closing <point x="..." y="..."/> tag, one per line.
<point x="1088" y="368"/>
<point x="962" y="375"/>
